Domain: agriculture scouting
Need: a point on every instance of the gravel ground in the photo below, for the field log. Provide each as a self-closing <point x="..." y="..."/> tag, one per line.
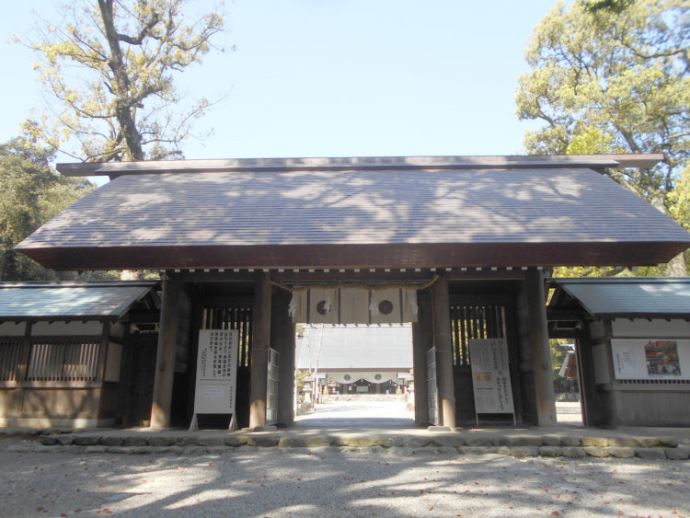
<point x="333" y="482"/>
<point x="359" y="414"/>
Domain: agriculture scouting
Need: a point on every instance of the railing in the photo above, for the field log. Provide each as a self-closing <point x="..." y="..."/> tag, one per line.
<point x="473" y="321"/>
<point x="63" y="361"/>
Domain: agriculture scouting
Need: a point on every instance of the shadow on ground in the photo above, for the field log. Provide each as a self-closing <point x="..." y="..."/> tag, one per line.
<point x="336" y="482"/>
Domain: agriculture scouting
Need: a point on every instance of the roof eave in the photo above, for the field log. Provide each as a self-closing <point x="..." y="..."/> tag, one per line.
<point x="400" y="255"/>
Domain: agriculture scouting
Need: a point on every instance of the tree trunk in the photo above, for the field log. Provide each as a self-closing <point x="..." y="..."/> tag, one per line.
<point x="124" y="107"/>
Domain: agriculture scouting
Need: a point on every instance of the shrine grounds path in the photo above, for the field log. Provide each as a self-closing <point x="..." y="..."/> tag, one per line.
<point x="325" y="482"/>
<point x="384" y="413"/>
<point x="392" y="413"/>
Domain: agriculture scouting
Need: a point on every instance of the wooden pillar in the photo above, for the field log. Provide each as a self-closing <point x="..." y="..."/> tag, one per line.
<point x="283" y="338"/>
<point x="165" y="355"/>
<point x="22" y="369"/>
<point x="539" y="345"/>
<point x="261" y="342"/>
<point x="421" y="342"/>
<point x="440" y="304"/>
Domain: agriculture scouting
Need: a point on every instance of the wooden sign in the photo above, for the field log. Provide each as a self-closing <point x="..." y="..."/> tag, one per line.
<point x="216" y="372"/>
<point x="493" y="393"/>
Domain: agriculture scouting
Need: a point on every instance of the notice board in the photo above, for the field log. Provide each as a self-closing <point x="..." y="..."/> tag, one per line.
<point x="216" y="371"/>
<point x="651" y="358"/>
<point x="493" y="393"/>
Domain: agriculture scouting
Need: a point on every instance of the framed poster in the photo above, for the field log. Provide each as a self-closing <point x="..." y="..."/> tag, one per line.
<point x="651" y="358"/>
<point x="493" y="393"/>
<point x="216" y="373"/>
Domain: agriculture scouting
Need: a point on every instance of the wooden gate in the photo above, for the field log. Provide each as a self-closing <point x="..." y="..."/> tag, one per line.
<point x="230" y="312"/>
<point x="478" y="317"/>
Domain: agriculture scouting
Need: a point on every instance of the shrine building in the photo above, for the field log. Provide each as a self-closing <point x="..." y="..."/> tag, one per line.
<point x="354" y="359"/>
<point x="458" y="247"/>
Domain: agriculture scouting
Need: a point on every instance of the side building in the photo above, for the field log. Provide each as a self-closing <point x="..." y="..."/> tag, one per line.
<point x="632" y="340"/>
<point x="77" y="355"/>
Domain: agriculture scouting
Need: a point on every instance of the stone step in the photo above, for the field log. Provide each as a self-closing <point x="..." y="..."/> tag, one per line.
<point x="386" y="440"/>
<point x="315" y="444"/>
<point x="516" y="444"/>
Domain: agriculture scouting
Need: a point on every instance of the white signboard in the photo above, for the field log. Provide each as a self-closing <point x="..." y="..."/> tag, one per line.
<point x="216" y="371"/>
<point x="651" y="359"/>
<point x="491" y="377"/>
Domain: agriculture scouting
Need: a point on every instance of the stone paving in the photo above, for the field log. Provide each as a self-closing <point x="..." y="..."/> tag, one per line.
<point x="574" y="442"/>
<point x="371" y="425"/>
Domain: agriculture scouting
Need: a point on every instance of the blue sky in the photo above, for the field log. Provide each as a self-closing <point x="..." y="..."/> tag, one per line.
<point x="338" y="77"/>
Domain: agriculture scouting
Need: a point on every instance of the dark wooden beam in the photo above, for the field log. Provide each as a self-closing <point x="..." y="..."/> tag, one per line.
<point x="305" y="277"/>
<point x="540" y="353"/>
<point x="283" y="340"/>
<point x="422" y="340"/>
<point x="261" y="342"/>
<point x="440" y="308"/>
<point x="364" y="256"/>
<point x="143" y="317"/>
<point x="165" y="355"/>
<point x="554" y="314"/>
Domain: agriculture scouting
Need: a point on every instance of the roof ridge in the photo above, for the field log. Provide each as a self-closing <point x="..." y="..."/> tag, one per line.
<point x="599" y="162"/>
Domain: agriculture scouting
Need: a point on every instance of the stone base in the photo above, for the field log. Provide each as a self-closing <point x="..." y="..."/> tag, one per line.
<point x="528" y="443"/>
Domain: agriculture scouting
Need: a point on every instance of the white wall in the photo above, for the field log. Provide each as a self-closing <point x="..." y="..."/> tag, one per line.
<point x="657" y="328"/>
<point x="375" y="347"/>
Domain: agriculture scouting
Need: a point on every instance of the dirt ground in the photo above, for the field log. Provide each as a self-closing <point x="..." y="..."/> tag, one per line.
<point x="335" y="482"/>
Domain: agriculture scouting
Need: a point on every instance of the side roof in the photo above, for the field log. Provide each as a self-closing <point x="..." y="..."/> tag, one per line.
<point x="69" y="300"/>
<point x="640" y="297"/>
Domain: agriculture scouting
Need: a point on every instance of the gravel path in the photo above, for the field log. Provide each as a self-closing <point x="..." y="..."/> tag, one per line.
<point x="332" y="482"/>
<point x="360" y="414"/>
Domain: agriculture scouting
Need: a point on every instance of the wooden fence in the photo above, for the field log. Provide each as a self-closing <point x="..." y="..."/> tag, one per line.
<point x="473" y="321"/>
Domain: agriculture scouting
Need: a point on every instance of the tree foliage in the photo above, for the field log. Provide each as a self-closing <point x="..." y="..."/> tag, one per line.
<point x="612" y="76"/>
<point x="112" y="67"/>
<point x="30" y="194"/>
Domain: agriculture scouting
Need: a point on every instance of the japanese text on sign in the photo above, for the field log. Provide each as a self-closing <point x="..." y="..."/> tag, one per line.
<point x="216" y="371"/>
<point x="491" y="376"/>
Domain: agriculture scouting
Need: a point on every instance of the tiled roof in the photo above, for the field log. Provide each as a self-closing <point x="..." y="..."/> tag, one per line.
<point x="169" y="217"/>
<point x="85" y="301"/>
<point x="628" y="297"/>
